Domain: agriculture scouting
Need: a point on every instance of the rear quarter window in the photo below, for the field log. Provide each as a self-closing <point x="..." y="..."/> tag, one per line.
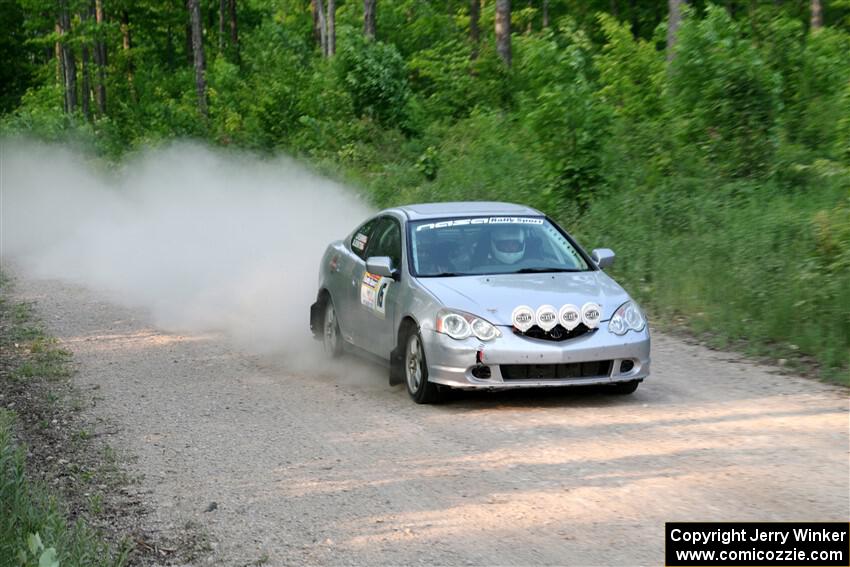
<point x="360" y="239"/>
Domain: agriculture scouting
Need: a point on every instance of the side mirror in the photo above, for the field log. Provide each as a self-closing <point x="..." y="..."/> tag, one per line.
<point x="604" y="257"/>
<point x="381" y="266"/>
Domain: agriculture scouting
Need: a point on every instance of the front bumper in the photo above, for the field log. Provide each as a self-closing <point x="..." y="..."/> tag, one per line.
<point x="452" y="362"/>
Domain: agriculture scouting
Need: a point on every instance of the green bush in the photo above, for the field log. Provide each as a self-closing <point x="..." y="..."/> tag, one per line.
<point x="374" y="74"/>
<point x="724" y="99"/>
<point x="563" y="116"/>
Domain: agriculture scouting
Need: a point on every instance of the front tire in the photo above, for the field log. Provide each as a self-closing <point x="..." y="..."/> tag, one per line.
<point x="416" y="372"/>
<point x="331" y="336"/>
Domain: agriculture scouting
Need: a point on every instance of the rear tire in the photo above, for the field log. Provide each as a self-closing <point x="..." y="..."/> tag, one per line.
<point x="416" y="372"/>
<point x="624" y="388"/>
<point x="331" y="336"/>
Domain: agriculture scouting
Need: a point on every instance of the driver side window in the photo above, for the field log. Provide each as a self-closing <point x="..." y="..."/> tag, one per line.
<point x="386" y="241"/>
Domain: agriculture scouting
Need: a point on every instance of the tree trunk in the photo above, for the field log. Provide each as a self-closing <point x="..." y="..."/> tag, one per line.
<point x="170" y="55"/>
<point x="323" y="28"/>
<point x="234" y="30"/>
<point x="194" y="7"/>
<point x="189" y="51"/>
<point x="674" y="20"/>
<point x="817" y="15"/>
<point x="85" y="90"/>
<point x="503" y="30"/>
<point x="317" y="34"/>
<point x="369" y="18"/>
<point x="127" y="42"/>
<point x="545" y="14"/>
<point x="68" y="64"/>
<point x="331" y="21"/>
<point x="222" y="16"/>
<point x="100" y="60"/>
<point x="60" y="64"/>
<point x="474" y="29"/>
<point x="635" y="20"/>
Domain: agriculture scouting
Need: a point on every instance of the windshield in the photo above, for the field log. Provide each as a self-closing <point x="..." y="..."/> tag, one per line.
<point x="491" y="245"/>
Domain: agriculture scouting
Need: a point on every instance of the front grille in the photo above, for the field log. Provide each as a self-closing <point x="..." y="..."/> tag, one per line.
<point x="556" y="371"/>
<point x="558" y="333"/>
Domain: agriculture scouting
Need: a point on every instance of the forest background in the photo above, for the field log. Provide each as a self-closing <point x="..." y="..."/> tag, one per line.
<point x="708" y="144"/>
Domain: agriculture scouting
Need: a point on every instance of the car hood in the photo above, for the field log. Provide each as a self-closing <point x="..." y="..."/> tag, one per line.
<point x="495" y="297"/>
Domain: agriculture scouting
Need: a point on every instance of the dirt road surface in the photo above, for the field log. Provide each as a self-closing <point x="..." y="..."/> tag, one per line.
<point x="336" y="467"/>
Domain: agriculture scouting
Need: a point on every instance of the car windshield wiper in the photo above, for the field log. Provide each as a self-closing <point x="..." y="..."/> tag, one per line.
<point x="544" y="270"/>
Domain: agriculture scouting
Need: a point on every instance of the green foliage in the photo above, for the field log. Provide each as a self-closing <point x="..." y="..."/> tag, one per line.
<point x="842" y="134"/>
<point x="824" y="78"/>
<point x="17" y="72"/>
<point x="33" y="529"/>
<point x="631" y="73"/>
<point x="375" y="76"/>
<point x="559" y="107"/>
<point x="723" y="96"/>
<point x="37" y="553"/>
<point x="443" y="77"/>
<point x="732" y="159"/>
<point x="704" y="256"/>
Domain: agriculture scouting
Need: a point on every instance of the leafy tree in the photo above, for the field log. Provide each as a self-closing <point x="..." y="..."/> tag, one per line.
<point x="17" y="72"/>
<point x="375" y="76"/>
<point x="724" y="98"/>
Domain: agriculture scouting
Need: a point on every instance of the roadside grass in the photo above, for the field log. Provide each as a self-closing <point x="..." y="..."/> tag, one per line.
<point x="763" y="272"/>
<point x="35" y="523"/>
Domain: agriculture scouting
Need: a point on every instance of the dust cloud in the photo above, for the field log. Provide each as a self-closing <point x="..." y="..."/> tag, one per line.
<point x="203" y="240"/>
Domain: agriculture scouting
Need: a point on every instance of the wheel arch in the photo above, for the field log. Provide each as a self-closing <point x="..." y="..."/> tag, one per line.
<point x="405" y="326"/>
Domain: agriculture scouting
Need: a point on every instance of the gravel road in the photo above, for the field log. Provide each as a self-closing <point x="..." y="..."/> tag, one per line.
<point x="333" y="466"/>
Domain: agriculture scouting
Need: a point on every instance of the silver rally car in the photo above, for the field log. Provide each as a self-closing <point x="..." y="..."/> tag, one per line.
<point x="478" y="295"/>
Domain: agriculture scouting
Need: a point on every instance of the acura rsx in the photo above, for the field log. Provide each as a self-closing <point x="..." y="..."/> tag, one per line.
<point x="478" y="295"/>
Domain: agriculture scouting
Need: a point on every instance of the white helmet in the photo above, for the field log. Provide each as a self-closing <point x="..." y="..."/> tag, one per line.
<point x="508" y="244"/>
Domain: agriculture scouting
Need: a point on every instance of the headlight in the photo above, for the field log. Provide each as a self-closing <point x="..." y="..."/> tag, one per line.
<point x="627" y="317"/>
<point x="484" y="330"/>
<point x="459" y="325"/>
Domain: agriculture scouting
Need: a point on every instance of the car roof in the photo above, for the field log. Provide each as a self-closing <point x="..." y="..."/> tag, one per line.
<point x="422" y="211"/>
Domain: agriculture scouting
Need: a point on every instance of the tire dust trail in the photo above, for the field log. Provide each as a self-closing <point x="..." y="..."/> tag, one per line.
<point x="336" y="467"/>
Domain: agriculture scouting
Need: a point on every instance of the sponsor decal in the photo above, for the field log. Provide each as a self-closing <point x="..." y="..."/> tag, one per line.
<point x="479" y="220"/>
<point x="590" y="314"/>
<point x="380" y="298"/>
<point x="569" y="316"/>
<point x="373" y="293"/>
<point x="546" y="317"/>
<point x="523" y="318"/>
<point x="359" y="241"/>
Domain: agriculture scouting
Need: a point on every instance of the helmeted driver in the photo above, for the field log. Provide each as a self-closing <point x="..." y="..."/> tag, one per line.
<point x="507" y="244"/>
